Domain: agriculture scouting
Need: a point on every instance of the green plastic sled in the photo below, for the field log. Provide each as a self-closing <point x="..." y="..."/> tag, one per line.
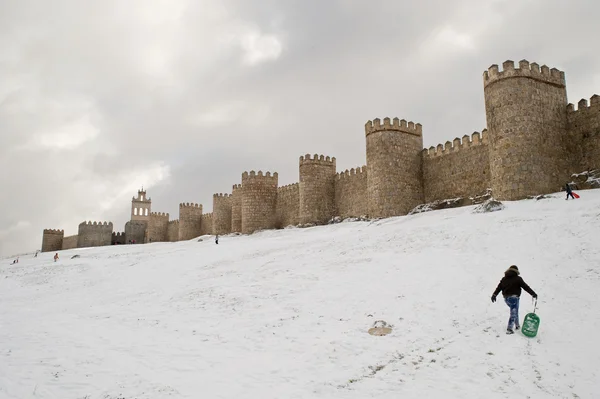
<point x="531" y="323"/>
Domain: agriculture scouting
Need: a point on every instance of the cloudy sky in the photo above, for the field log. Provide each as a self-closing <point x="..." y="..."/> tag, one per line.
<point x="98" y="98"/>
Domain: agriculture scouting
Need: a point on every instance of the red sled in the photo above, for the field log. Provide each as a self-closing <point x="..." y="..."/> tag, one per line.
<point x="575" y="195"/>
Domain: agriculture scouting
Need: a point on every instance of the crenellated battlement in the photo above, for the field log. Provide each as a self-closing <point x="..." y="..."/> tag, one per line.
<point x="526" y="70"/>
<point x="317" y="159"/>
<point x="582" y="105"/>
<point x="54" y="231"/>
<point x="396" y="125"/>
<point x="534" y="145"/>
<point x="351" y="172"/>
<point x="97" y="224"/>
<point x="451" y="147"/>
<point x="159" y="214"/>
<point x="288" y="188"/>
<point x="255" y="176"/>
<point x="189" y="205"/>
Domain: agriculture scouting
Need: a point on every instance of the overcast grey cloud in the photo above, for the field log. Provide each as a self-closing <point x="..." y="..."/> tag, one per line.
<point x="98" y="98"/>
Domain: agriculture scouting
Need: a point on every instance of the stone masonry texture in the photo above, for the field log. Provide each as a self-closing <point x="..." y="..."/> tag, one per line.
<point x="118" y="238"/>
<point x="394" y="167"/>
<point x="526" y="111"/>
<point x="94" y="234"/>
<point x="533" y="143"/>
<point x="317" y="189"/>
<point x="288" y="206"/>
<point x="236" y="208"/>
<point x="158" y="227"/>
<point x="351" y="193"/>
<point x="584" y="132"/>
<point x="207" y="224"/>
<point x="259" y="201"/>
<point x="190" y="221"/>
<point x="52" y="240"/>
<point x="458" y="169"/>
<point x="135" y="230"/>
<point x="70" y="242"/>
<point x="173" y="231"/>
<point x="222" y="207"/>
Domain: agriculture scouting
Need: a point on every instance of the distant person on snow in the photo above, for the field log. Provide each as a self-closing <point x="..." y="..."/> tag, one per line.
<point x="569" y="191"/>
<point x="217" y="239"/>
<point x="511" y="285"/>
<point x="56" y="257"/>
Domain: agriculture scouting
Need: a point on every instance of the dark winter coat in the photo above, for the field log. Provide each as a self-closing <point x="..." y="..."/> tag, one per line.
<point x="568" y="188"/>
<point x="511" y="284"/>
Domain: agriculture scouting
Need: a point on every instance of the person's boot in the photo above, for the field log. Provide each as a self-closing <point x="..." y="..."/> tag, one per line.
<point x="509" y="331"/>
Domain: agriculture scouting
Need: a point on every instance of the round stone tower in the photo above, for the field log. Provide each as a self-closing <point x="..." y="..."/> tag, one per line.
<point x="394" y="167"/>
<point x="190" y="221"/>
<point x="221" y="222"/>
<point x="317" y="189"/>
<point x="526" y="111"/>
<point x="236" y="208"/>
<point x="259" y="201"/>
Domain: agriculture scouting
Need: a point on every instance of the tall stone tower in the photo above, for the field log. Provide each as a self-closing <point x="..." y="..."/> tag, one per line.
<point x="236" y="208"/>
<point x="190" y="221"/>
<point x="394" y="167"/>
<point x="317" y="189"/>
<point x="259" y="201"/>
<point x="526" y="111"/>
<point x="221" y="222"/>
<point x="141" y="207"/>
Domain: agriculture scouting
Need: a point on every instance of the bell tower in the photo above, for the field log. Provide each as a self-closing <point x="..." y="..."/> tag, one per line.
<point x="141" y="206"/>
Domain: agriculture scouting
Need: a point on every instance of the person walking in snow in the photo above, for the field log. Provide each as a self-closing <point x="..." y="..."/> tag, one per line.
<point x="217" y="239"/>
<point x="56" y="257"/>
<point x="511" y="285"/>
<point x="569" y="191"/>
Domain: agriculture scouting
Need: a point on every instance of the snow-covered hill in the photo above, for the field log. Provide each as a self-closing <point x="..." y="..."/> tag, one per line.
<point x="285" y="314"/>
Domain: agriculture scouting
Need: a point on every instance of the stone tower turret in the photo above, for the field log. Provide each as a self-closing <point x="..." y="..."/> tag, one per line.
<point x="394" y="167"/>
<point x="236" y="208"/>
<point x="317" y="189"/>
<point x="221" y="222"/>
<point x="141" y="207"/>
<point x="52" y="240"/>
<point x="526" y="111"/>
<point x="190" y="221"/>
<point x="259" y="201"/>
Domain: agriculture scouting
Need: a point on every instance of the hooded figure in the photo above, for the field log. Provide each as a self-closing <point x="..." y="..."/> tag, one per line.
<point x="511" y="285"/>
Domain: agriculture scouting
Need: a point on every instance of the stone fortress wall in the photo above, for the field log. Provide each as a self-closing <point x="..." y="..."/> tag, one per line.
<point x="190" y="219"/>
<point x="52" y="240"/>
<point x="236" y="208"/>
<point x="351" y="192"/>
<point x="173" y="231"/>
<point x="287" y="209"/>
<point x="534" y="141"/>
<point x="158" y="227"/>
<point x="94" y="234"/>
<point x="206" y="224"/>
<point x="70" y="242"/>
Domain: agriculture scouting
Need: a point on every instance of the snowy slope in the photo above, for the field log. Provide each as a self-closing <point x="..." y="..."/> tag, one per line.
<point x="285" y="314"/>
